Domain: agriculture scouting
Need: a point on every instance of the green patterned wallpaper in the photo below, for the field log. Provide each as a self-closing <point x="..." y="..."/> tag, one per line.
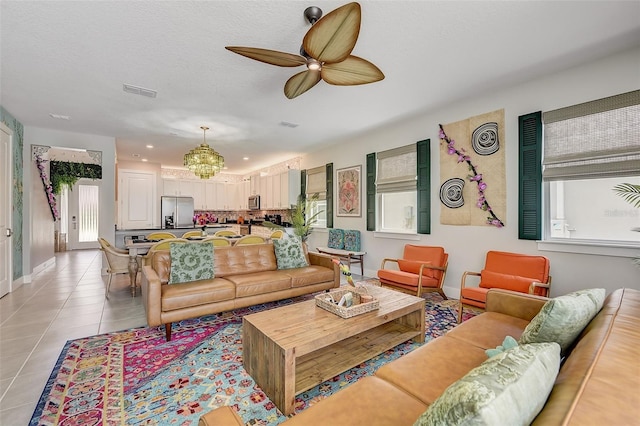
<point x="17" y="198"/>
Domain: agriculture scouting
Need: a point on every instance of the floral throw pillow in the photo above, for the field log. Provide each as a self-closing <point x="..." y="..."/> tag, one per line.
<point x="289" y="253"/>
<point x="191" y="262"/>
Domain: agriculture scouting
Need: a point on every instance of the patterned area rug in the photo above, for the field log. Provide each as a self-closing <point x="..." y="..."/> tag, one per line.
<point x="135" y="377"/>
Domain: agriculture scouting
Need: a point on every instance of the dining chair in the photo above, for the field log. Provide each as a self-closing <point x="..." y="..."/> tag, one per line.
<point x="189" y="234"/>
<point x="509" y="271"/>
<point x="277" y="234"/>
<point x="217" y="241"/>
<point x="225" y="233"/>
<point x="250" y="239"/>
<point x="421" y="269"/>
<point x="161" y="245"/>
<point x="117" y="262"/>
<point x="160" y="236"/>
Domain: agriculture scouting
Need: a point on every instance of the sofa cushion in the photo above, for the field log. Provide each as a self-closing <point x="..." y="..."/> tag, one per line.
<point x="443" y="361"/>
<point x="562" y="319"/>
<point x="289" y="253"/>
<point x="312" y="274"/>
<point x="196" y="293"/>
<point x="406" y="280"/>
<point x="191" y="262"/>
<point x="244" y="259"/>
<point x="260" y="282"/>
<point x="336" y="239"/>
<point x="490" y="279"/>
<point x="510" y="389"/>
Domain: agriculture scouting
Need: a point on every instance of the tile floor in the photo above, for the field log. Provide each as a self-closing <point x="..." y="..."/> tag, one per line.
<point x="64" y="302"/>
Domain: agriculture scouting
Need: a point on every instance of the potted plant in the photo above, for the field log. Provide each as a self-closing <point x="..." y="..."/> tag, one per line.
<point x="301" y="222"/>
<point x="631" y="193"/>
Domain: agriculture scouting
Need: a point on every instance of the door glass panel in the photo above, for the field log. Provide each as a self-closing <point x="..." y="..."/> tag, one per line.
<point x="88" y="209"/>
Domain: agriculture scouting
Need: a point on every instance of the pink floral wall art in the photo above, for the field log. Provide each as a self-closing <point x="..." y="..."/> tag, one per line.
<point x="349" y="192"/>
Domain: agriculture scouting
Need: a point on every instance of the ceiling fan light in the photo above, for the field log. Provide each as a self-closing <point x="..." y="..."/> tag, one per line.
<point x="313" y="65"/>
<point x="203" y="160"/>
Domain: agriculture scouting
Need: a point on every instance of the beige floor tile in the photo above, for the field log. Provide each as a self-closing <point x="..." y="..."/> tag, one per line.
<point x="10" y="365"/>
<point x="22" y="345"/>
<point x="71" y="311"/>
<point x="124" y="324"/>
<point x="25" y="389"/>
<point x="19" y="415"/>
<point x="8" y="332"/>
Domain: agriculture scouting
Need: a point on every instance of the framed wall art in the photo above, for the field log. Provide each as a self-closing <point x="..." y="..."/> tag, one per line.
<point x="349" y="191"/>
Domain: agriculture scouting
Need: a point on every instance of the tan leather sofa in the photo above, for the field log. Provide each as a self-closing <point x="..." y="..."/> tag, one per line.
<point x="245" y="275"/>
<point x="597" y="384"/>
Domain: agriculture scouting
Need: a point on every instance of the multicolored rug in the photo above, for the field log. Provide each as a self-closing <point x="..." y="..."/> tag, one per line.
<point x="135" y="377"/>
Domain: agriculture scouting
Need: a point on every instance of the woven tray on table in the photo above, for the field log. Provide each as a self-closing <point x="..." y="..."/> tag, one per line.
<point x="356" y="309"/>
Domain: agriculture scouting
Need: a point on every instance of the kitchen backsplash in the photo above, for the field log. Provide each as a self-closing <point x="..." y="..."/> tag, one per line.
<point x="203" y="217"/>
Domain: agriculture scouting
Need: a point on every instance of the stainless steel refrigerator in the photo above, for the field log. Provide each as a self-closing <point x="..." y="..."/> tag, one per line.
<point x="176" y="212"/>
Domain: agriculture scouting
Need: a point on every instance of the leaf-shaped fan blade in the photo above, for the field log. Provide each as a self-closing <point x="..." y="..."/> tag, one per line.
<point x="273" y="57"/>
<point x="300" y="83"/>
<point x="334" y="36"/>
<point x="350" y="72"/>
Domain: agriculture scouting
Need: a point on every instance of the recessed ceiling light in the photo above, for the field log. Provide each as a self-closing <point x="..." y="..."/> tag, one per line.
<point x="225" y="168"/>
<point x="59" y="117"/>
<point x="245" y="158"/>
<point x="144" y="160"/>
<point x="149" y="146"/>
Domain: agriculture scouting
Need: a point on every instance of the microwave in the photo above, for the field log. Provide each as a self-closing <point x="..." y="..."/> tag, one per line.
<point x="254" y="202"/>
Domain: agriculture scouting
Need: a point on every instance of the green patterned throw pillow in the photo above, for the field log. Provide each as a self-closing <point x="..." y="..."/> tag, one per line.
<point x="563" y="318"/>
<point x="289" y="252"/>
<point x="508" y="389"/>
<point x="191" y="262"/>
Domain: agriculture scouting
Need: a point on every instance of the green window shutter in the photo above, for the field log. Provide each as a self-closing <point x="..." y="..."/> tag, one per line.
<point x="423" y="151"/>
<point x="329" y="197"/>
<point x="530" y="177"/>
<point x="371" y="191"/>
<point x="303" y="184"/>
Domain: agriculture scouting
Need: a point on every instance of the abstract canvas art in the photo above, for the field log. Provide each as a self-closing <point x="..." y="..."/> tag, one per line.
<point x="472" y="171"/>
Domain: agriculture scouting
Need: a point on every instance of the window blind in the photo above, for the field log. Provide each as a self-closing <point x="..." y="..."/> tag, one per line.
<point x="397" y="169"/>
<point x="317" y="182"/>
<point x="595" y="139"/>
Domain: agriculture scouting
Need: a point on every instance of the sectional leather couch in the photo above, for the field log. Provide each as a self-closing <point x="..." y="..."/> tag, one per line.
<point x="597" y="384"/>
<point x="245" y="275"/>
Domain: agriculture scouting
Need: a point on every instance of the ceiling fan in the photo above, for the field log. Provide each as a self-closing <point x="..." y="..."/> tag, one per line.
<point x="326" y="52"/>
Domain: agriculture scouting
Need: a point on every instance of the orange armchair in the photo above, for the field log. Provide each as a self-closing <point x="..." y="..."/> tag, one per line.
<point x="421" y="269"/>
<point x="510" y="271"/>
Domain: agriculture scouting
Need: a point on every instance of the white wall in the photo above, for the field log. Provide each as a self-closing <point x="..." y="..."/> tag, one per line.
<point x="467" y="245"/>
<point x="38" y="224"/>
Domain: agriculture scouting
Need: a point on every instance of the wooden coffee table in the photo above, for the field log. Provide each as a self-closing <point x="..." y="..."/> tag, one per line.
<point x="293" y="348"/>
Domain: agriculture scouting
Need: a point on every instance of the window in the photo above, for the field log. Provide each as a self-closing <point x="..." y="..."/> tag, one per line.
<point x="396" y="195"/>
<point x="317" y="184"/>
<point x="88" y="212"/>
<point x="589" y="149"/>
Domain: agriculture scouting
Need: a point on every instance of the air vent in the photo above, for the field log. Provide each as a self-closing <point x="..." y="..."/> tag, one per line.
<point x="287" y="124"/>
<point x="137" y="90"/>
<point x="59" y="117"/>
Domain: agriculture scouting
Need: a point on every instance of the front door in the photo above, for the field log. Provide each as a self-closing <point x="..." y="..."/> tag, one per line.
<point x="6" y="166"/>
<point x="83" y="217"/>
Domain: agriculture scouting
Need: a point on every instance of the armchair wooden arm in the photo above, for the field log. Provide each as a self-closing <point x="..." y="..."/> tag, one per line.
<point x="387" y="259"/>
<point x="546" y="287"/>
<point x="464" y="278"/>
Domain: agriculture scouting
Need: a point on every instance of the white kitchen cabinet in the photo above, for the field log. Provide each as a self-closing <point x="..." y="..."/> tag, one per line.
<point x="254" y="186"/>
<point x="289" y="188"/>
<point x="137" y="200"/>
<point x="262" y="192"/>
<point x="276" y="202"/>
<point x="210" y="195"/>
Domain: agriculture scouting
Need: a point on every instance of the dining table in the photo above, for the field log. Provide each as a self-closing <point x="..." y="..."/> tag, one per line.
<point x="136" y="248"/>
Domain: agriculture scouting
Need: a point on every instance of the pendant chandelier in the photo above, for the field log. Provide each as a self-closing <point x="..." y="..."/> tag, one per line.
<point x="203" y="160"/>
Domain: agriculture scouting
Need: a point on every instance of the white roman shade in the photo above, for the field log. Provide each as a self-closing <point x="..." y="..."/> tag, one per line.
<point x="397" y="169"/>
<point x="317" y="182"/>
<point x="593" y="140"/>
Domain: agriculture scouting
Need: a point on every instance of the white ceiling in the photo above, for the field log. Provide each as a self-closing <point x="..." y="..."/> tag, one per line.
<point x="72" y="57"/>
